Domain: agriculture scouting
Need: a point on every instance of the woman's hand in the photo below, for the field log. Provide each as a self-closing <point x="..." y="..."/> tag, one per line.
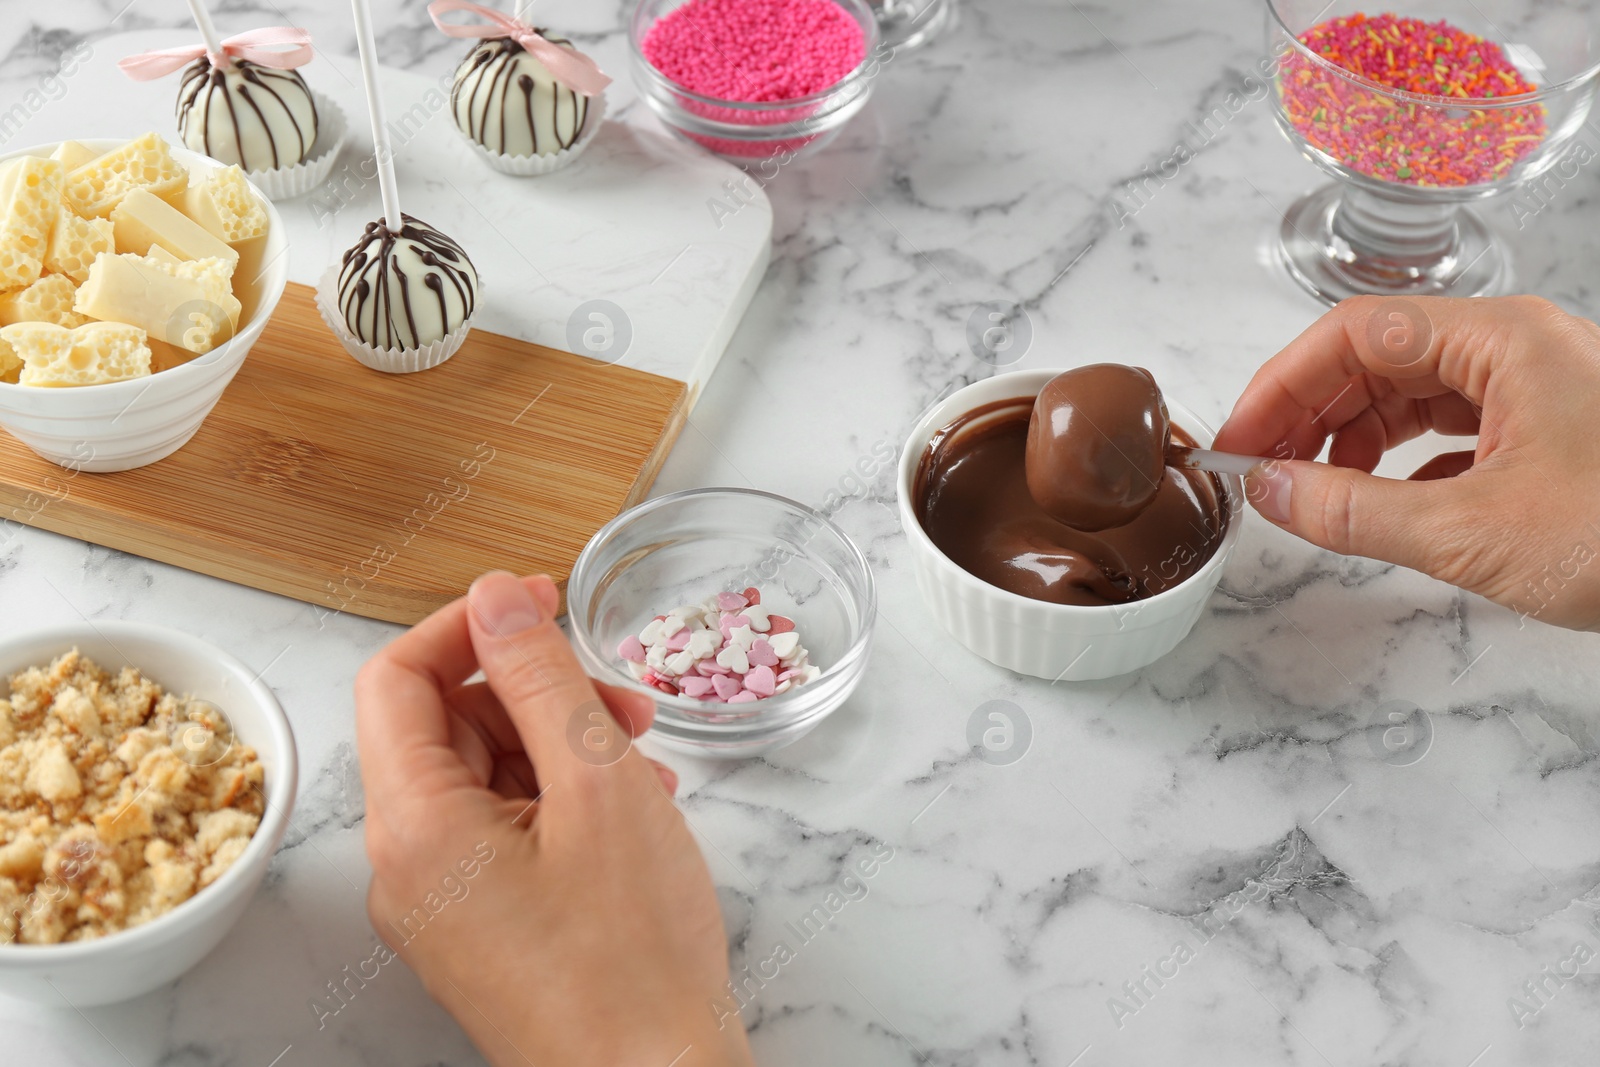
<point x="577" y="928"/>
<point x="1517" y="519"/>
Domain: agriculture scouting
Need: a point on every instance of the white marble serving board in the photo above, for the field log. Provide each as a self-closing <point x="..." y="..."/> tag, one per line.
<point x="627" y="222"/>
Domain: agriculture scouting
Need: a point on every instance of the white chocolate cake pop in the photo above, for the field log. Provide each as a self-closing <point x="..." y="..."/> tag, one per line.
<point x="507" y="101"/>
<point x="405" y="290"/>
<point x="256" y="117"/>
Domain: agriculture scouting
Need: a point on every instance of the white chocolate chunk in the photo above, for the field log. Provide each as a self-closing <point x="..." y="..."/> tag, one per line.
<point x="145" y="163"/>
<point x="10" y="363"/>
<point x="190" y="305"/>
<point x="144" y="221"/>
<point x="74" y="244"/>
<point x="223" y="203"/>
<point x="72" y="155"/>
<point x="92" y="354"/>
<point x="30" y="200"/>
<point x="49" y="299"/>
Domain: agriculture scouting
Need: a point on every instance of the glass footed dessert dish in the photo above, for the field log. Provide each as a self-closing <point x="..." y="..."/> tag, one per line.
<point x="1418" y="117"/>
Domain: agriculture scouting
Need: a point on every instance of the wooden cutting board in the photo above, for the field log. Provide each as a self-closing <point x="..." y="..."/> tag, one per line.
<point x="380" y="495"/>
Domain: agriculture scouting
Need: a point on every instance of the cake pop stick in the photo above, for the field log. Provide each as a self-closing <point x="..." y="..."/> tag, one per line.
<point x="383" y="153"/>
<point x="208" y="34"/>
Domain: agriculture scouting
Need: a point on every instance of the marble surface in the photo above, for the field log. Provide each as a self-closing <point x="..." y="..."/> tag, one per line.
<point x="1340" y="895"/>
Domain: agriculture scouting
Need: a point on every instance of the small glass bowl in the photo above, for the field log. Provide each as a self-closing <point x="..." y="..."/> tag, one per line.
<point x="682" y="548"/>
<point x="745" y="132"/>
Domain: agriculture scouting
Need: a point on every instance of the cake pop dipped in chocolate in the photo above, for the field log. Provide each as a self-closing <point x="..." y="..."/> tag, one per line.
<point x="1099" y="443"/>
<point x="520" y="91"/>
<point x="405" y="289"/>
<point x="253" y="116"/>
<point x="241" y="101"/>
<point x="401" y="299"/>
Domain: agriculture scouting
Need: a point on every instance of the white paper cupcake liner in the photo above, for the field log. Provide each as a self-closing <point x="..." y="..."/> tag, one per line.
<point x="387" y="360"/>
<point x="286" y="183"/>
<point x="533" y="166"/>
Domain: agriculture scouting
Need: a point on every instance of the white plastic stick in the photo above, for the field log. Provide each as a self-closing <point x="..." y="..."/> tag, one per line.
<point x="208" y="33"/>
<point x="380" y="128"/>
<point x="521" y="8"/>
<point x="1203" y="459"/>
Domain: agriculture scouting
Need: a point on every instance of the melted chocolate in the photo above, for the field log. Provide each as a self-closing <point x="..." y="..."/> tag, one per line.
<point x="370" y="269"/>
<point x="1097" y="445"/>
<point x="973" y="500"/>
<point x="262" y="92"/>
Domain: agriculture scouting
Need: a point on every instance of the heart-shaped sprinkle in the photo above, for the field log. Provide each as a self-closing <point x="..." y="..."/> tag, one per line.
<point x="696" y="686"/>
<point x="729" y="623"/>
<point x="726" y="685"/>
<point x="631" y="649"/>
<point x="762" y="653"/>
<point x="760" y="681"/>
<point x="784" y="644"/>
<point x="780" y="625"/>
<point x="708" y="667"/>
<point x="731" y="601"/>
<point x="745" y="697"/>
<point x="651" y="634"/>
<point x="759" y="621"/>
<point x="752" y="595"/>
<point x="678" y="641"/>
<point x="733" y="657"/>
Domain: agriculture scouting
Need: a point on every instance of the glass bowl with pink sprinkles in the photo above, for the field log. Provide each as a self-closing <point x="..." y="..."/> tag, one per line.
<point x="1418" y="114"/>
<point x="755" y="80"/>
<point x="747" y="617"/>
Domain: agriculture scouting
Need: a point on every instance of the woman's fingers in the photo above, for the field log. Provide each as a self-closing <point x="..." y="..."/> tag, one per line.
<point x="633" y="711"/>
<point x="556" y="709"/>
<point x="1416" y="349"/>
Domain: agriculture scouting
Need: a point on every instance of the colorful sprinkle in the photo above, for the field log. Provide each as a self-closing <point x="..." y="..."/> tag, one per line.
<point x="1433" y="143"/>
<point x="756" y="50"/>
<point x="726" y="649"/>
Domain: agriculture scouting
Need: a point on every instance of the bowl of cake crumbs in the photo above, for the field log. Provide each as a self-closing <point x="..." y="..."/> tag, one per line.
<point x="146" y="779"/>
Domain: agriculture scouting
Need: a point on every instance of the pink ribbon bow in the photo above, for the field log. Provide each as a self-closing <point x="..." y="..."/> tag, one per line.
<point x="263" y="47"/>
<point x="572" y="69"/>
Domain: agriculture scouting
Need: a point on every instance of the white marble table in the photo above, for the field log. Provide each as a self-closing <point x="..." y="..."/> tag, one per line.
<point x="1338" y="904"/>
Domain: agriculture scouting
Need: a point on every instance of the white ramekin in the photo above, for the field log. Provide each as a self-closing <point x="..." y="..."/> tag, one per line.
<point x="122" y="425"/>
<point x="124" y="965"/>
<point x="1061" y="642"/>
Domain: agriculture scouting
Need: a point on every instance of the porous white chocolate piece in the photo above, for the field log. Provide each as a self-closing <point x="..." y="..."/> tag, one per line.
<point x="145" y="163"/>
<point x="74" y="242"/>
<point x="224" y="204"/>
<point x="92" y="354"/>
<point x="10" y="363"/>
<point x="189" y="304"/>
<point x="49" y="299"/>
<point x="72" y="155"/>
<point x="143" y="220"/>
<point x="30" y="199"/>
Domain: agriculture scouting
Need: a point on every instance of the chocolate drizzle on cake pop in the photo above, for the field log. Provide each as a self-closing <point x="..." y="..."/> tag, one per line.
<point x="407" y="289"/>
<point x="505" y="100"/>
<point x="256" y="117"/>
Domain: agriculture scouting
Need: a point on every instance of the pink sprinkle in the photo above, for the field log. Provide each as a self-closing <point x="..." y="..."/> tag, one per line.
<point x="667" y="688"/>
<point x="743" y="697"/>
<point x="756" y="50"/>
<point x="726" y="686"/>
<point x="731" y="601"/>
<point x="732" y="622"/>
<point x="761" y="682"/>
<point x="786" y="675"/>
<point x="696" y="686"/>
<point x="708" y="667"/>
<point x="631" y="649"/>
<point x="679" y="641"/>
<point x="752" y="595"/>
<point x="780" y="625"/>
<point x="762" y="653"/>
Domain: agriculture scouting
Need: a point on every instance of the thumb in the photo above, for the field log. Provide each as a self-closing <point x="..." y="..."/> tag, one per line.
<point x="531" y="668"/>
<point x="1344" y="510"/>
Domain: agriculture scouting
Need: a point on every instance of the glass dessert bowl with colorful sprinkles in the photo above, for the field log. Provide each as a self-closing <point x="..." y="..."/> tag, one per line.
<point x="746" y="616"/>
<point x="755" y="80"/>
<point x="1417" y="115"/>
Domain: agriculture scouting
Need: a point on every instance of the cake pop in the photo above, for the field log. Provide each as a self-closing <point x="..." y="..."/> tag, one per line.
<point x="255" y="117"/>
<point x="406" y="289"/>
<point x="520" y="92"/>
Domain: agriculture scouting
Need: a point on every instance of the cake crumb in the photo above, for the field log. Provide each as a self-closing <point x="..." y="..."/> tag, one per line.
<point x="118" y="801"/>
